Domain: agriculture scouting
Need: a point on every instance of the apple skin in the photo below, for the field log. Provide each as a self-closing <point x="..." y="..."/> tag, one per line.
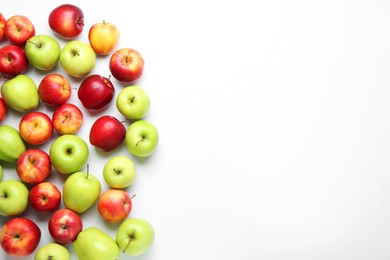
<point x="1" y="173"/>
<point x="141" y="138"/>
<point x="96" y="92"/>
<point x="114" y="205"/>
<point x="3" y="110"/>
<point x="12" y="144"/>
<point x="107" y="133"/>
<point x="36" y="128"/>
<point x="77" y="58"/>
<point x="103" y="37"/>
<point x="33" y="166"/>
<point x="66" y="21"/>
<point x="54" y="89"/>
<point x="2" y="25"/>
<point x="64" y="226"/>
<point x="42" y="51"/>
<point x="13" y="198"/>
<point x="52" y="251"/>
<point x="67" y="119"/>
<point x="119" y="172"/>
<point x="18" y="29"/>
<point x="13" y="61"/>
<point x="126" y="65"/>
<point x="44" y="197"/>
<point x="135" y="236"/>
<point x="133" y="102"/>
<point x="20" y="237"/>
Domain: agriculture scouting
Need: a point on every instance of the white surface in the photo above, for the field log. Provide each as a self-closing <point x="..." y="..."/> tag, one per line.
<point x="274" y="124"/>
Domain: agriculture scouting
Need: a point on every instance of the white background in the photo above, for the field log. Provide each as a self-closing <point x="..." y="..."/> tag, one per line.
<point x="274" y="126"/>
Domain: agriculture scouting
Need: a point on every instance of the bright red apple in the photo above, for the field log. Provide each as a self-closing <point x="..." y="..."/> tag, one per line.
<point x="18" y="29"/>
<point x="114" y="205"/>
<point x="67" y="119"/>
<point x="107" y="133"/>
<point x="33" y="166"/>
<point x="67" y="21"/>
<point x="44" y="196"/>
<point x="2" y="25"/>
<point x="13" y="61"/>
<point x="54" y="89"/>
<point x="3" y="110"/>
<point x="126" y="65"/>
<point x="96" y="92"/>
<point x="36" y="128"/>
<point x="64" y="226"/>
<point x="20" y="236"/>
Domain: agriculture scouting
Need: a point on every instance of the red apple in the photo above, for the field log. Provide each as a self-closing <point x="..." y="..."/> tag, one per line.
<point x="13" y="61"/>
<point x="67" y="21"/>
<point x="44" y="196"/>
<point x="114" y="205"/>
<point x="67" y="119"/>
<point x="20" y="236"/>
<point x="96" y="92"/>
<point x="54" y="89"/>
<point x="107" y="133"/>
<point x="64" y="226"/>
<point x="36" y="128"/>
<point x="18" y="29"/>
<point x="3" y="110"/>
<point x="33" y="166"/>
<point x="2" y="25"/>
<point x="126" y="65"/>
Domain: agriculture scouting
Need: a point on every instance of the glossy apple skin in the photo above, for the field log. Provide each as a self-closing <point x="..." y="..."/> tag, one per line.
<point x="67" y="21"/>
<point x="33" y="166"/>
<point x="36" y="128"/>
<point x="114" y="205"/>
<point x="54" y="89"/>
<point x="3" y="110"/>
<point x="126" y="65"/>
<point x="67" y="119"/>
<point x="96" y="92"/>
<point x="13" y="61"/>
<point x="20" y="236"/>
<point x="2" y="25"/>
<point x="18" y="29"/>
<point x="64" y="226"/>
<point x="44" y="196"/>
<point x="107" y="133"/>
<point x="103" y="37"/>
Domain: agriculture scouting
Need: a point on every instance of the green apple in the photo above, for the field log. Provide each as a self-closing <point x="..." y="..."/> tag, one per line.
<point x="93" y="243"/>
<point x="119" y="172"/>
<point x="133" y="102"/>
<point x="80" y="191"/>
<point x="52" y="251"/>
<point x="42" y="51"/>
<point x="135" y="236"/>
<point x="12" y="145"/>
<point x="20" y="93"/>
<point x="68" y="153"/>
<point x="141" y="138"/>
<point x="77" y="58"/>
<point x="13" y="198"/>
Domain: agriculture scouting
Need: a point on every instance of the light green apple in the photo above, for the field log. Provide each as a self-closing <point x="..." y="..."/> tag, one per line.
<point x="12" y="145"/>
<point x="93" y="243"/>
<point x="119" y="172"/>
<point x="42" y="51"/>
<point x="13" y="198"/>
<point x="135" y="236"/>
<point x="68" y="153"/>
<point x="80" y="191"/>
<point x="52" y="251"/>
<point x="141" y="138"/>
<point x="77" y="58"/>
<point x="20" y="93"/>
<point x="133" y="102"/>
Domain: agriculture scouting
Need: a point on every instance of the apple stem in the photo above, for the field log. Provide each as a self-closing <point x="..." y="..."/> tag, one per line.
<point x="39" y="45"/>
<point x="132" y="196"/>
<point x="87" y="171"/>
<point x="32" y="161"/>
<point x="143" y="138"/>
<point x="131" y="236"/>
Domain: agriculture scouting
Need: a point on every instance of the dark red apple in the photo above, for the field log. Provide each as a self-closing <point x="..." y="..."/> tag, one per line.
<point x="64" y="226"/>
<point x="44" y="196"/>
<point x="13" y="61"/>
<point x="67" y="21"/>
<point x="107" y="133"/>
<point x="96" y="92"/>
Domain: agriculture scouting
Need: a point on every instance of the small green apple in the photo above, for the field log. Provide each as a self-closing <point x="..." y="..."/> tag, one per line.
<point x="12" y="145"/>
<point x="13" y="198"/>
<point x="119" y="172"/>
<point x="52" y="251"/>
<point x="43" y="51"/>
<point x="77" y="58"/>
<point x="141" y="138"/>
<point x="133" y="102"/>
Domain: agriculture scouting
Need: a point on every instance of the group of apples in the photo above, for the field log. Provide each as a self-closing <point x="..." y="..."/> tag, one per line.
<point x="68" y="153"/>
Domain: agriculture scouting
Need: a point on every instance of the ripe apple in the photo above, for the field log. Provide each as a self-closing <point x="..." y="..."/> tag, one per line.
<point x="20" y="93"/>
<point x="135" y="236"/>
<point x="133" y="102"/>
<point x="3" y="110"/>
<point x="119" y="172"/>
<point x="103" y="37"/>
<point x="43" y="51"/>
<point x="52" y="251"/>
<point x="67" y="21"/>
<point x="126" y="65"/>
<point x="36" y="128"/>
<point x="13" y="61"/>
<point x="33" y="166"/>
<point x="81" y="190"/>
<point x="141" y="138"/>
<point x="67" y="119"/>
<point x="2" y="25"/>
<point x="64" y="226"/>
<point x="12" y="145"/>
<point x="18" y="29"/>
<point x="20" y="236"/>
<point x="107" y="133"/>
<point x="44" y="196"/>
<point x="114" y="205"/>
<point x="77" y="58"/>
<point x="96" y="92"/>
<point x="93" y="243"/>
<point x="13" y="198"/>
<point x="54" y="89"/>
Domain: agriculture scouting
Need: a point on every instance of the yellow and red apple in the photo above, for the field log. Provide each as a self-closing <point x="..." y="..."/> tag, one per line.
<point x="103" y="37"/>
